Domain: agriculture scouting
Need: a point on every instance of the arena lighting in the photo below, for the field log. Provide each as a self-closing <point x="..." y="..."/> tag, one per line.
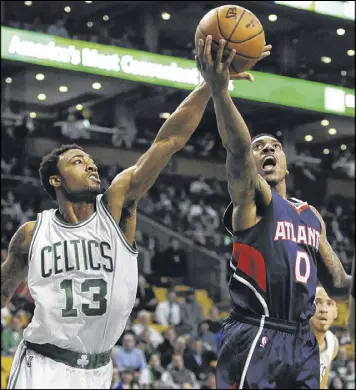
<point x="41" y="96"/>
<point x="326" y="60"/>
<point x="88" y="2"/>
<point x="165" y="15"/>
<point x="272" y="18"/>
<point x="324" y="122"/>
<point x="40" y="76"/>
<point x="332" y="131"/>
<point x="343" y="147"/>
<point x="28" y="3"/>
<point x="351" y="53"/>
<point x="79" y="107"/>
<point x="106" y="18"/>
<point x="63" y="88"/>
<point x="278" y="133"/>
<point x="8" y="80"/>
<point x="33" y="115"/>
<point x="326" y="151"/>
<point x="340" y="31"/>
<point x="343" y="73"/>
<point x="90" y="24"/>
<point x="164" y="115"/>
<point x="96" y="85"/>
<point x="67" y="9"/>
<point x="308" y="138"/>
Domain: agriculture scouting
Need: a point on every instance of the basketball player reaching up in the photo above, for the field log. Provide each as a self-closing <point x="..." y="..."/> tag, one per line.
<point x="278" y="243"/>
<point x="325" y="314"/>
<point x="81" y="260"/>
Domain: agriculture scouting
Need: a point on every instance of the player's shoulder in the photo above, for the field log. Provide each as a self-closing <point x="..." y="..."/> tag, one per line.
<point x="22" y="238"/>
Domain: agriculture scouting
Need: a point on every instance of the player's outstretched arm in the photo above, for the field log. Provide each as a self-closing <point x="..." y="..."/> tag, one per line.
<point x="242" y="173"/>
<point x="331" y="272"/>
<point x="15" y="267"/>
<point x="131" y="184"/>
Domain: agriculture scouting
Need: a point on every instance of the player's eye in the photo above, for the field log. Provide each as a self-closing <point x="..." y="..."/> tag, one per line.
<point x="76" y="161"/>
<point x="277" y="146"/>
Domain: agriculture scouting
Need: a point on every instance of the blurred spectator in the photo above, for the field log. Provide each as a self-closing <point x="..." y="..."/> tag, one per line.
<point x="203" y="333"/>
<point x="337" y="383"/>
<point x="155" y="376"/>
<point x="127" y="380"/>
<point x="215" y="323"/>
<point x="180" y="374"/>
<point x="58" y="29"/>
<point x="166" y="349"/>
<point x="12" y="336"/>
<point x="128" y="356"/>
<point x="349" y="377"/>
<point x="145" y="298"/>
<point x="143" y="324"/>
<point x="168" y="312"/>
<point x="200" y="187"/>
<point x="191" y="312"/>
<point x="210" y="383"/>
<point x="197" y="359"/>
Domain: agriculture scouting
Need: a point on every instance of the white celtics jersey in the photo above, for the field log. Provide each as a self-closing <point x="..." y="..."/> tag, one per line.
<point x="83" y="279"/>
<point x="326" y="356"/>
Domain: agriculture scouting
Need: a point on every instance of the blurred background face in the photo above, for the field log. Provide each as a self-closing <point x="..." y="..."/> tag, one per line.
<point x="127" y="377"/>
<point x="326" y="311"/>
<point x="198" y="346"/>
<point x="203" y="327"/>
<point x="16" y="323"/>
<point x="214" y="313"/>
<point x="128" y="342"/>
<point x="180" y="344"/>
<point x="79" y="176"/>
<point x="144" y="318"/>
<point x="172" y="297"/>
<point x="155" y="361"/>
<point x="177" y="361"/>
<point x="171" y="334"/>
<point x="270" y="159"/>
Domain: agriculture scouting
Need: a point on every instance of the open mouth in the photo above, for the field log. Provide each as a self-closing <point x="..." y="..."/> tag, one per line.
<point x="95" y="178"/>
<point x="269" y="164"/>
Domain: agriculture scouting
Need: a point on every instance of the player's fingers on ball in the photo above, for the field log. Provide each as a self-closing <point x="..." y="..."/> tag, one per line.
<point x="227" y="63"/>
<point x="267" y="48"/>
<point x="207" y="49"/>
<point x="220" y="52"/>
<point x="264" y="55"/>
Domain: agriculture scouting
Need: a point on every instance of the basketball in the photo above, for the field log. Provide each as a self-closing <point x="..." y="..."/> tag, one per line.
<point x="241" y="30"/>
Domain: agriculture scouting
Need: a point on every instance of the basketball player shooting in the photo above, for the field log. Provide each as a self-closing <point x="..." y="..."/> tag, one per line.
<point x="81" y="260"/>
<point x="278" y="244"/>
<point x="325" y="314"/>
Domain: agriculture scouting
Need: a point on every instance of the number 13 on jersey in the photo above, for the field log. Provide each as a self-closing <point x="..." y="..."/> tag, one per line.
<point x="86" y="286"/>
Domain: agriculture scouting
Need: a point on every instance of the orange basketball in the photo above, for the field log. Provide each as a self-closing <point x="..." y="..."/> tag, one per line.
<point x="241" y="30"/>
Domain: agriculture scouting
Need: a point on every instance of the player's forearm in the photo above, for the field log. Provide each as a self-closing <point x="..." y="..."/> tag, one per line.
<point x="186" y="118"/>
<point x="232" y="128"/>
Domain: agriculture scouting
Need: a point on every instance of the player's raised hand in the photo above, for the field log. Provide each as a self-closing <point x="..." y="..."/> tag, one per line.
<point x="215" y="72"/>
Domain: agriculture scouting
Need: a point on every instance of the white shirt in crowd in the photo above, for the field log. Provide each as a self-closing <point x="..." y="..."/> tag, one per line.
<point x="168" y="314"/>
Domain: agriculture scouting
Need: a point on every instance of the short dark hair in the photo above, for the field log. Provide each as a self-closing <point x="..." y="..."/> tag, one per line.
<point x="264" y="135"/>
<point x="49" y="166"/>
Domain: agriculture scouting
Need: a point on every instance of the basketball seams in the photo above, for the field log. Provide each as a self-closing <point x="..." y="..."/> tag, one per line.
<point x="237" y="23"/>
<point x="248" y="39"/>
<point x="218" y="20"/>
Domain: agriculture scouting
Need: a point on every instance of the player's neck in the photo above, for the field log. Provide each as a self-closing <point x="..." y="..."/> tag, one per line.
<point x="320" y="337"/>
<point x="75" y="212"/>
<point x="281" y="188"/>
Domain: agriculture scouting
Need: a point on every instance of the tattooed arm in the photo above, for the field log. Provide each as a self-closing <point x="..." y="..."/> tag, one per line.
<point x="331" y="272"/>
<point x="15" y="267"/>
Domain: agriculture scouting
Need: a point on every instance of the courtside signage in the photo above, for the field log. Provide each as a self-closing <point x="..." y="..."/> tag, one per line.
<point x="140" y="66"/>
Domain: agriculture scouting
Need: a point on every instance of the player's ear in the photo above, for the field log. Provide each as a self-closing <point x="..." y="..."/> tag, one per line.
<point x="55" y="181"/>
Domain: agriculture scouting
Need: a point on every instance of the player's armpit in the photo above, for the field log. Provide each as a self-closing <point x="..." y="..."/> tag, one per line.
<point x="15" y="267"/>
<point x="331" y="272"/>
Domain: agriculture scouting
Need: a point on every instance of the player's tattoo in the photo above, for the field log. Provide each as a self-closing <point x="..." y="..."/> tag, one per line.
<point x="14" y="269"/>
<point x="334" y="266"/>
